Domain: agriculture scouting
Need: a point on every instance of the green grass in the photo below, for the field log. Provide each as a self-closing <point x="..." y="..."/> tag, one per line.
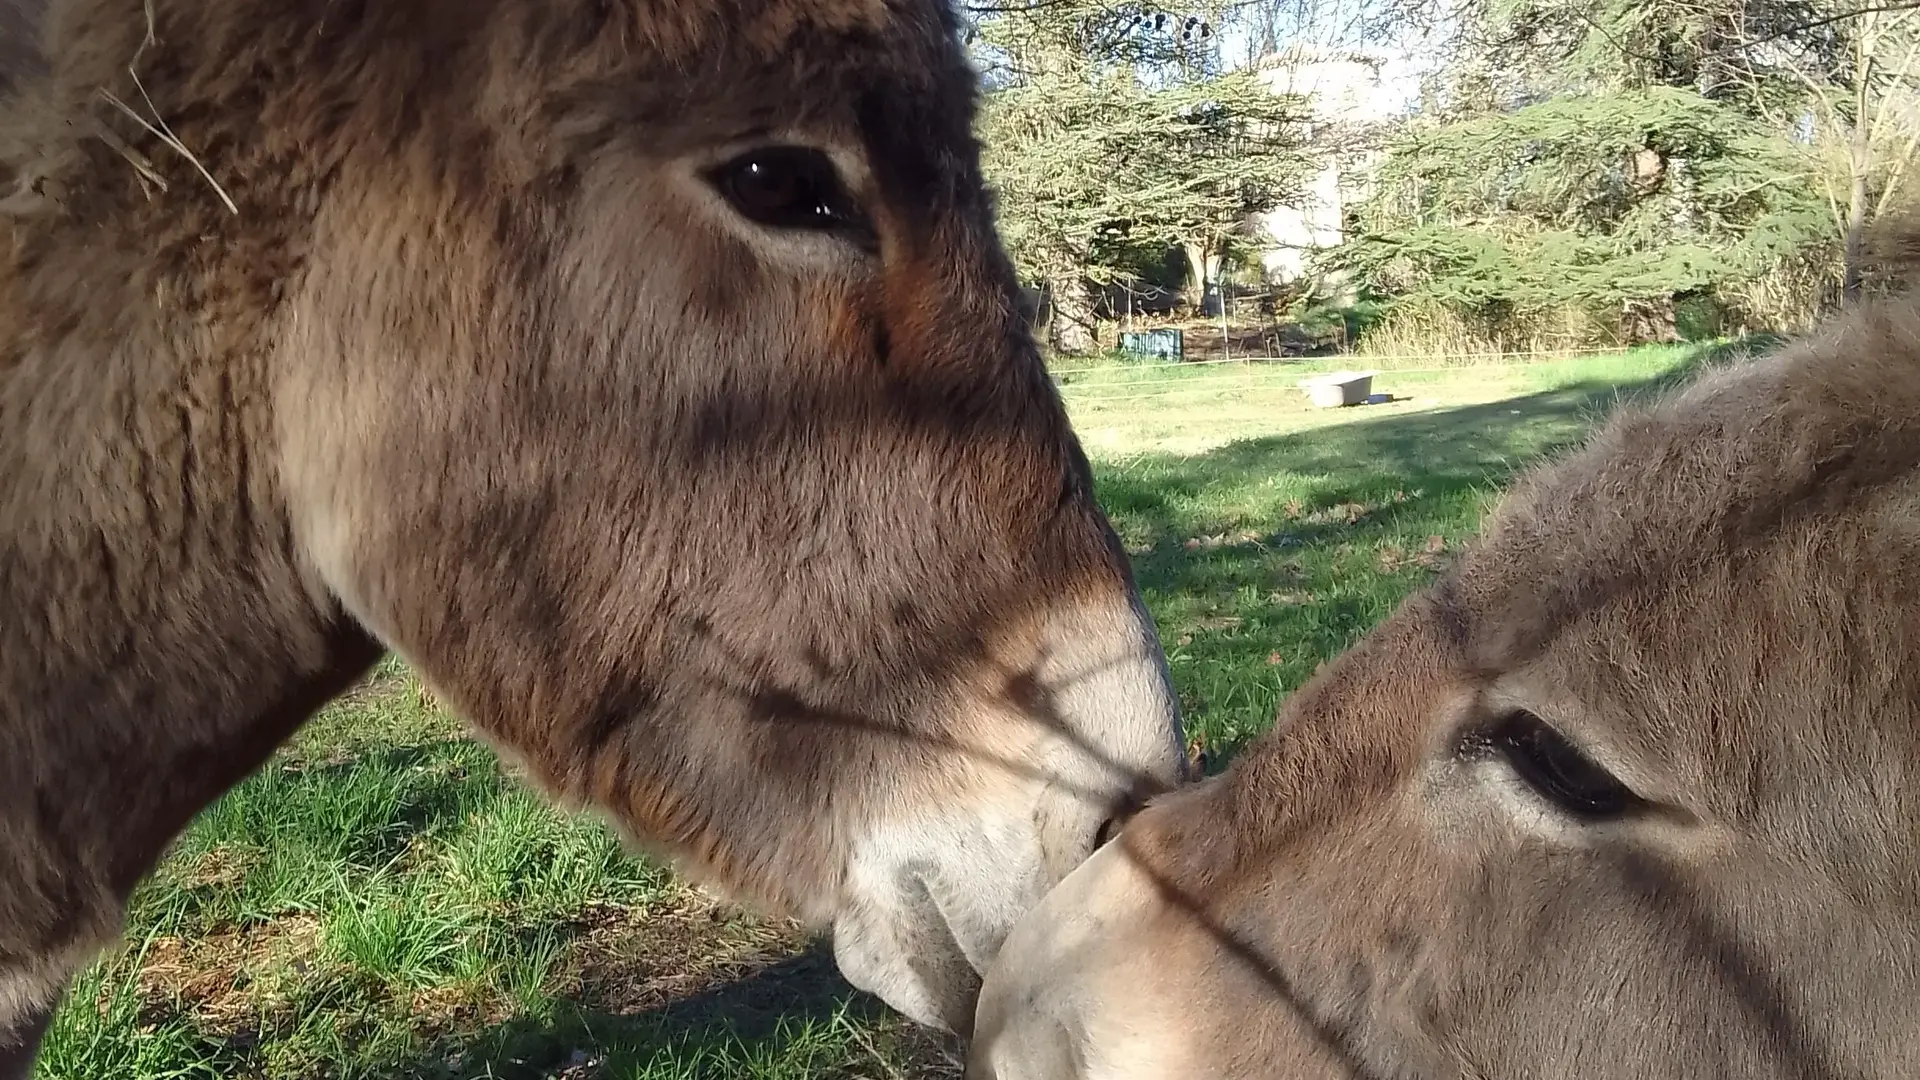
<point x="382" y="901"/>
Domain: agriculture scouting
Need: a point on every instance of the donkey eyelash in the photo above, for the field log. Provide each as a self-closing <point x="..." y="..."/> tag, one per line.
<point x="1555" y="769"/>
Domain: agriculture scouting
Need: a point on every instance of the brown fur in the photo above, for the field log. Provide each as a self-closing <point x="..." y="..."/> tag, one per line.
<point x="1719" y="598"/>
<point x="714" y="535"/>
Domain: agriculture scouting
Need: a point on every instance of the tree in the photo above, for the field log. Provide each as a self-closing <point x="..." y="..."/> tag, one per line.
<point x="1860" y="116"/>
<point x="1838" y="77"/>
<point x="1111" y="132"/>
<point x="1612" y="156"/>
<point x="1613" y="204"/>
<point x="1539" y="48"/>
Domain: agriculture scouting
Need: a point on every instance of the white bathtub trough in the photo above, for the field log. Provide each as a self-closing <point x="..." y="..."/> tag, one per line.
<point x="1337" y="388"/>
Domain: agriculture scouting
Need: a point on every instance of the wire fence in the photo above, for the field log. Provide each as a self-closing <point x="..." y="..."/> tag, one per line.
<point x="1126" y="382"/>
<point x="1472" y="358"/>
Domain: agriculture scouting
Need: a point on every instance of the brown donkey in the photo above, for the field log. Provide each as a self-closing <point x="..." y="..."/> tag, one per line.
<point x="1632" y="793"/>
<point x="645" y="372"/>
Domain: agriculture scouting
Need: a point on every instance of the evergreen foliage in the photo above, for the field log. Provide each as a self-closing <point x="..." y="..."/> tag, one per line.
<point x="1606" y="163"/>
<point x="1112" y="136"/>
<point x="1617" y="156"/>
<point x="1601" y="200"/>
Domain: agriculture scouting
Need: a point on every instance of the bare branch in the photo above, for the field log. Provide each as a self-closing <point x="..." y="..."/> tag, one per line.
<point x="1827" y="20"/>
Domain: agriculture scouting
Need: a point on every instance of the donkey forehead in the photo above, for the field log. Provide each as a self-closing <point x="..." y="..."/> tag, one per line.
<point x="690" y="26"/>
<point x="1734" y="653"/>
<point x="883" y="78"/>
<point x="775" y="60"/>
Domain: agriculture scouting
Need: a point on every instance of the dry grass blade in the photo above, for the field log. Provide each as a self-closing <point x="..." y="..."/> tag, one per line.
<point x="157" y="127"/>
<point x="166" y="136"/>
<point x="141" y="165"/>
<point x="866" y="1043"/>
<point x="181" y="147"/>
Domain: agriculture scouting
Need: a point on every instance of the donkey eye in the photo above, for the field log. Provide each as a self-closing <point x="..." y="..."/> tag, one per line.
<point x="1557" y="770"/>
<point x="787" y="187"/>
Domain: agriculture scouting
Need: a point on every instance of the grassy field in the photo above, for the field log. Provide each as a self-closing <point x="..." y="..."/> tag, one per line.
<point x="383" y="901"/>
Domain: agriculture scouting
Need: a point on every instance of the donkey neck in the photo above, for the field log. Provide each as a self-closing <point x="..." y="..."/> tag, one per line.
<point x="160" y="638"/>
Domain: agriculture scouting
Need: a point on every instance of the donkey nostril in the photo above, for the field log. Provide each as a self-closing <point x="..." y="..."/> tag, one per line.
<point x="1111" y="827"/>
<point x="1123" y="811"/>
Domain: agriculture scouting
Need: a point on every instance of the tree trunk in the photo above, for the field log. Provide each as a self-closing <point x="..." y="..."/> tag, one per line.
<point x="1648" y="321"/>
<point x="1856" y="218"/>
<point x="1193" y="291"/>
<point x="1859" y="160"/>
<point x="1073" y="320"/>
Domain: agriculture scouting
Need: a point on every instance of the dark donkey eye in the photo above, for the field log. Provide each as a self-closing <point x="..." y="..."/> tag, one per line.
<point x="1557" y="770"/>
<point x="787" y="187"/>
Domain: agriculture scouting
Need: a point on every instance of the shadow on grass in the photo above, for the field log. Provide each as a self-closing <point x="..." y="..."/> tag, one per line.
<point x="793" y="1018"/>
<point x="790" y="1018"/>
<point x="1439" y="451"/>
<point x="1268" y="556"/>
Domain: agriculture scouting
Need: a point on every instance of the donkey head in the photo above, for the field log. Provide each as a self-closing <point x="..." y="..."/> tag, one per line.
<point x="654" y="382"/>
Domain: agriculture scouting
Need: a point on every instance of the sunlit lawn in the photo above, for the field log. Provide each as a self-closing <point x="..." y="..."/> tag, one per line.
<point x="381" y="901"/>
